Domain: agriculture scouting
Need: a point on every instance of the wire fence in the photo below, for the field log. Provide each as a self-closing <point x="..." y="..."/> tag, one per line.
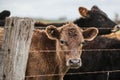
<point x="78" y="73"/>
<point x="80" y="27"/>
<point x="84" y="50"/>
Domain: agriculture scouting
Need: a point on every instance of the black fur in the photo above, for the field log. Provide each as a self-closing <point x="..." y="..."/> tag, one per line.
<point x="101" y="60"/>
<point x="3" y="15"/>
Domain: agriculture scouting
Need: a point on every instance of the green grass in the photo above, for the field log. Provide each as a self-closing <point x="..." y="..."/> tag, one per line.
<point x="52" y="20"/>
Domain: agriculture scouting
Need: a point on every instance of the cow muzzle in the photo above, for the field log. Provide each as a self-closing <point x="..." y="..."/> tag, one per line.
<point x="74" y="63"/>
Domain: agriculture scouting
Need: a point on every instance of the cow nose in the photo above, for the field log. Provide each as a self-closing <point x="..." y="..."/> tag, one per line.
<point x="75" y="63"/>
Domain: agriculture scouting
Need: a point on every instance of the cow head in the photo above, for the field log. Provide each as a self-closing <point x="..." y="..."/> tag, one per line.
<point x="96" y="17"/>
<point x="4" y="14"/>
<point x="70" y="39"/>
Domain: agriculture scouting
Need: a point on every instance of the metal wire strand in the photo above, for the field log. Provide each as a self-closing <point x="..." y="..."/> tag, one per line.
<point x="95" y="72"/>
<point x="81" y="27"/>
<point x="79" y="50"/>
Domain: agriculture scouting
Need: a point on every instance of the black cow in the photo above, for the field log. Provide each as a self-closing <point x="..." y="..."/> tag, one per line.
<point x="99" y="60"/>
<point x="3" y="15"/>
<point x="90" y="18"/>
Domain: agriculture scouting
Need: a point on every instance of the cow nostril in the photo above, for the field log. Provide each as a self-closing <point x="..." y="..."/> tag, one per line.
<point x="74" y="61"/>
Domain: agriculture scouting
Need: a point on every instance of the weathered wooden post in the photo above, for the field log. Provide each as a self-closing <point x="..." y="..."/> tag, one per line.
<point x="16" y="43"/>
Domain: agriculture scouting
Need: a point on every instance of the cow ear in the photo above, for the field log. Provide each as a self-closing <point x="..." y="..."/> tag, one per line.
<point x="52" y="32"/>
<point x="4" y="14"/>
<point x="90" y="33"/>
<point x="83" y="11"/>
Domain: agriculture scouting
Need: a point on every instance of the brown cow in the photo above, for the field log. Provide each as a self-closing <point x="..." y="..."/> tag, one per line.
<point x="44" y="62"/>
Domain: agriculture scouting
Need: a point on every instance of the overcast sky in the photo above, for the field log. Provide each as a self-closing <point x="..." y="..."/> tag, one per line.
<point x="53" y="9"/>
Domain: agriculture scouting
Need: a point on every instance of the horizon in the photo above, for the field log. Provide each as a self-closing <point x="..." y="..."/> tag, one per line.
<point x="55" y="9"/>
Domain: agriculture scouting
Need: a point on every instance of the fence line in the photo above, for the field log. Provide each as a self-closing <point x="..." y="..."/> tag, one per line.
<point x="94" y="72"/>
<point x="79" y="73"/>
<point x="79" y="50"/>
<point x="80" y="27"/>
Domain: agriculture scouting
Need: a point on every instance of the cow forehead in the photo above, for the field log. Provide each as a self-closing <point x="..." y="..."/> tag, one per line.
<point x="72" y="33"/>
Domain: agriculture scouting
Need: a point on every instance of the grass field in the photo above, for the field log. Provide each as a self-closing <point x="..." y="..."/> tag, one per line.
<point x="51" y="20"/>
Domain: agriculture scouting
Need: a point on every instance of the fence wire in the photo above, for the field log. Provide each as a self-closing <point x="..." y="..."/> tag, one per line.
<point x="80" y="27"/>
<point x="84" y="50"/>
<point x="79" y="73"/>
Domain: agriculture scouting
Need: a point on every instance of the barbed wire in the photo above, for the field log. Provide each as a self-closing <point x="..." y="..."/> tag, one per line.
<point x="79" y="73"/>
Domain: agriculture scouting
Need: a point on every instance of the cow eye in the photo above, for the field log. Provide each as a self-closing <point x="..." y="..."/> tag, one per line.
<point x="82" y="43"/>
<point x="62" y="41"/>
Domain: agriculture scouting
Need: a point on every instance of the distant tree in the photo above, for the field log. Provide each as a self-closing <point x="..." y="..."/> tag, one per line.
<point x="117" y="18"/>
<point x="63" y="18"/>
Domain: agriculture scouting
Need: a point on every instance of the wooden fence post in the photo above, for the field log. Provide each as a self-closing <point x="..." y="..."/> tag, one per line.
<point x="16" y="43"/>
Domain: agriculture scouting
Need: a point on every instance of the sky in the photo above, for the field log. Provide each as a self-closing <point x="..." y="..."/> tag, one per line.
<point x="53" y="9"/>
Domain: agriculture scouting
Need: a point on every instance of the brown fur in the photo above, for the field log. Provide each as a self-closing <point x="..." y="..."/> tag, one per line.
<point x="115" y="35"/>
<point x="39" y="63"/>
